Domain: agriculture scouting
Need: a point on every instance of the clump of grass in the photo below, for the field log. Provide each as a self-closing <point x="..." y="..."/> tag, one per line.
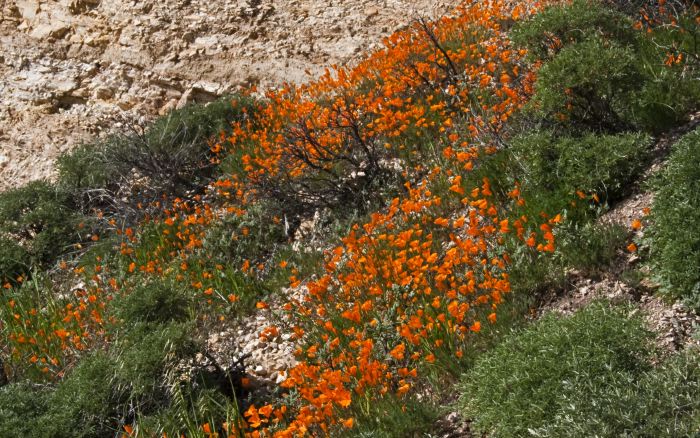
<point x="591" y="247"/>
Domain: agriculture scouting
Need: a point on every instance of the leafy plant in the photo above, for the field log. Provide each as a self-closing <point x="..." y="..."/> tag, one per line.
<point x="153" y="302"/>
<point x="21" y="406"/>
<point x="601" y="74"/>
<point x="591" y="247"/>
<point x="14" y="260"/>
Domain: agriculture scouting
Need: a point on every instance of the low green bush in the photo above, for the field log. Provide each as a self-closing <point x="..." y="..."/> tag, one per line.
<point x="253" y="236"/>
<point x="590" y="84"/>
<point x="390" y="417"/>
<point x="14" y="260"/>
<point x="672" y="91"/>
<point x="558" y="25"/>
<point x="153" y="302"/>
<point x="591" y="70"/>
<point x="86" y="168"/>
<point x="591" y="247"/>
<point x="660" y="402"/>
<point x="22" y="405"/>
<point x="586" y="375"/>
<point x="41" y="218"/>
<point x="145" y="354"/>
<point x="85" y="403"/>
<point x="558" y="167"/>
<point x="673" y="238"/>
<point x="601" y="74"/>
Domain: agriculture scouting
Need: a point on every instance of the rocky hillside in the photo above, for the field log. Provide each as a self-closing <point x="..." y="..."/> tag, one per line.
<point x="72" y="69"/>
<point x="486" y="227"/>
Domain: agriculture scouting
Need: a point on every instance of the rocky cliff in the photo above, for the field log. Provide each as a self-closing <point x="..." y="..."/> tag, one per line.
<point x="71" y="70"/>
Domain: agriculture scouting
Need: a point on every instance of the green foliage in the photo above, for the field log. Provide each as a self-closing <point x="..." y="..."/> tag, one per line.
<point x="666" y="99"/>
<point x="21" y="406"/>
<point x="673" y="236"/>
<point x="389" y="417"/>
<point x="672" y="90"/>
<point x="145" y="353"/>
<point x="590" y="247"/>
<point x="14" y="260"/>
<point x="86" y="167"/>
<point x="660" y="402"/>
<point x="253" y="236"/>
<point x="558" y="167"/>
<point x="565" y="376"/>
<point x="85" y="403"/>
<point x="600" y="74"/>
<point x="590" y="84"/>
<point x="153" y="302"/>
<point x="187" y="414"/>
<point x="592" y="69"/>
<point x="135" y="376"/>
<point x="575" y="22"/>
<point x="40" y="218"/>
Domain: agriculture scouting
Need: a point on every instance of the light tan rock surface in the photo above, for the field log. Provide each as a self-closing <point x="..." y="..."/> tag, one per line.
<point x="71" y="69"/>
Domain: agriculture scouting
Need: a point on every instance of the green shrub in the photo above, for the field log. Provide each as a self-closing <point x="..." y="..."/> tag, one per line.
<point x="21" y="406"/>
<point x="559" y="167"/>
<point x="590" y="247"/>
<point x="42" y="218"/>
<point x="109" y="389"/>
<point x="153" y="302"/>
<point x="667" y="99"/>
<point x="390" y="417"/>
<point x="253" y="236"/>
<point x="660" y="402"/>
<point x="146" y="352"/>
<point x="187" y="414"/>
<point x="562" y="371"/>
<point x="591" y="70"/>
<point x="14" y="260"/>
<point x="86" y="167"/>
<point x="672" y="89"/>
<point x="591" y="85"/>
<point x="545" y="33"/>
<point x="600" y="74"/>
<point x="674" y="242"/>
<point x="85" y="404"/>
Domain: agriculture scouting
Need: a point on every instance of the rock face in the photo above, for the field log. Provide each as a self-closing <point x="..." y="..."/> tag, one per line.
<point x="70" y="68"/>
